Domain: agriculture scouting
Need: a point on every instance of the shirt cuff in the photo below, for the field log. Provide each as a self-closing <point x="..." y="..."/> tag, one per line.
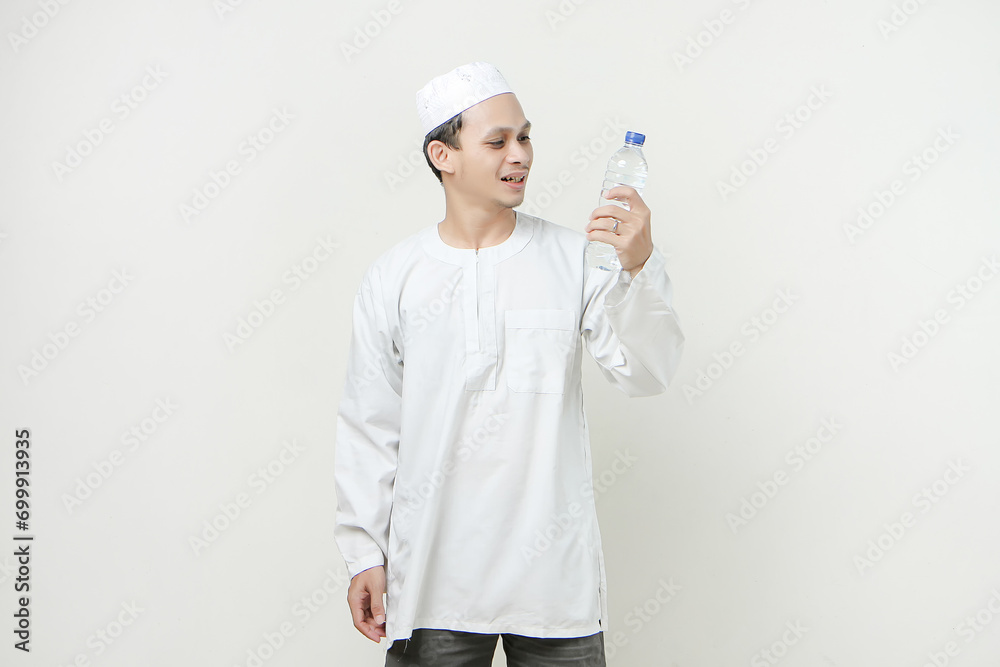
<point x="655" y="263"/>
<point x="373" y="560"/>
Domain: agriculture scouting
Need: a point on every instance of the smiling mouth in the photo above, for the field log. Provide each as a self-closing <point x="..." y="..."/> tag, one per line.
<point x="513" y="179"/>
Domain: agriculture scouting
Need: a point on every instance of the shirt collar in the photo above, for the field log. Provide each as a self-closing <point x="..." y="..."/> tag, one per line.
<point x="436" y="247"/>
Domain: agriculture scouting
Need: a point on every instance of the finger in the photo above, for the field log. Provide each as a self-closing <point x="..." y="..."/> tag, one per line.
<point x="612" y="211"/>
<point x="607" y="225"/>
<point x="624" y="193"/>
<point x="378" y="609"/>
<point x="365" y="627"/>
<point x="603" y="224"/>
<point x="370" y="630"/>
<point x="605" y="237"/>
<point x="359" y="612"/>
<point x="359" y="602"/>
<point x="619" y="193"/>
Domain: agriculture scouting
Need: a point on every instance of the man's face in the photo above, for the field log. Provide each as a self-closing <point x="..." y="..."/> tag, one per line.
<point x="495" y="146"/>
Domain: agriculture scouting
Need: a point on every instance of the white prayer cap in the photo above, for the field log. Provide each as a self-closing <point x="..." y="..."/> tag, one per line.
<point x="450" y="94"/>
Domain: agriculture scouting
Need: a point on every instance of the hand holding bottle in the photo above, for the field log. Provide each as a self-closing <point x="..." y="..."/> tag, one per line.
<point x="632" y="241"/>
<point x="626" y="167"/>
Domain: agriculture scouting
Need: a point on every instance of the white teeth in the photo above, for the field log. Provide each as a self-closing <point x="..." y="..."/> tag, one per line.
<point x="513" y="180"/>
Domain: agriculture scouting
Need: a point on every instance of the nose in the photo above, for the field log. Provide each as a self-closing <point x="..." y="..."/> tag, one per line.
<point x="519" y="154"/>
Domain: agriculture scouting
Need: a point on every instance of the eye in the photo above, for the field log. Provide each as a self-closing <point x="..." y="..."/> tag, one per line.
<point x="526" y="138"/>
<point x="497" y="143"/>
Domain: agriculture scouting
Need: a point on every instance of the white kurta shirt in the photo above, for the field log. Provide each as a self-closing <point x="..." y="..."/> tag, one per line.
<point x="463" y="453"/>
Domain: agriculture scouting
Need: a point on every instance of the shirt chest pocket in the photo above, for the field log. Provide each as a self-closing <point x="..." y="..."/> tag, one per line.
<point x="539" y="349"/>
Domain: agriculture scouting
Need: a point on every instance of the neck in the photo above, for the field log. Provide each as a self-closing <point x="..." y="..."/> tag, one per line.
<point x="471" y="227"/>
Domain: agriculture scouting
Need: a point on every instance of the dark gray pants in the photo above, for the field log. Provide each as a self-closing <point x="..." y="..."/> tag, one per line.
<point x="451" y="648"/>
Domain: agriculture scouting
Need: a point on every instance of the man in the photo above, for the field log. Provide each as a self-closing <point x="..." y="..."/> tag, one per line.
<point x="463" y="469"/>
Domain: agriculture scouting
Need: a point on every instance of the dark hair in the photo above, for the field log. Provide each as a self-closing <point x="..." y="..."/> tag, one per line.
<point x="447" y="133"/>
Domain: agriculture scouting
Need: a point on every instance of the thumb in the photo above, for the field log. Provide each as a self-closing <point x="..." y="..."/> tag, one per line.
<point x="378" y="609"/>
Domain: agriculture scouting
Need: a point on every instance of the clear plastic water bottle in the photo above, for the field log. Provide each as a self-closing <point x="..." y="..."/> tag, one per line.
<point x="626" y="167"/>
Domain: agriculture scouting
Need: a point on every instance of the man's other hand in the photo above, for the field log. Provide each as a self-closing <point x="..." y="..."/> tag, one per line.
<point x="364" y="597"/>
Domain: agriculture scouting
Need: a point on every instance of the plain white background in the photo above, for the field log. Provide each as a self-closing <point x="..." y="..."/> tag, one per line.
<point x="807" y="111"/>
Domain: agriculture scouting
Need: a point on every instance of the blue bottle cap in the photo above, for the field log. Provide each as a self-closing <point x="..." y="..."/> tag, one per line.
<point x="635" y="138"/>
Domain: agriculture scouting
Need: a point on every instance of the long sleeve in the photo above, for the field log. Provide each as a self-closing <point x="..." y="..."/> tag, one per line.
<point x="368" y="425"/>
<point x="630" y="328"/>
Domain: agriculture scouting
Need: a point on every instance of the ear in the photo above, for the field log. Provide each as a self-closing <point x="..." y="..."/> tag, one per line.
<point x="440" y="155"/>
